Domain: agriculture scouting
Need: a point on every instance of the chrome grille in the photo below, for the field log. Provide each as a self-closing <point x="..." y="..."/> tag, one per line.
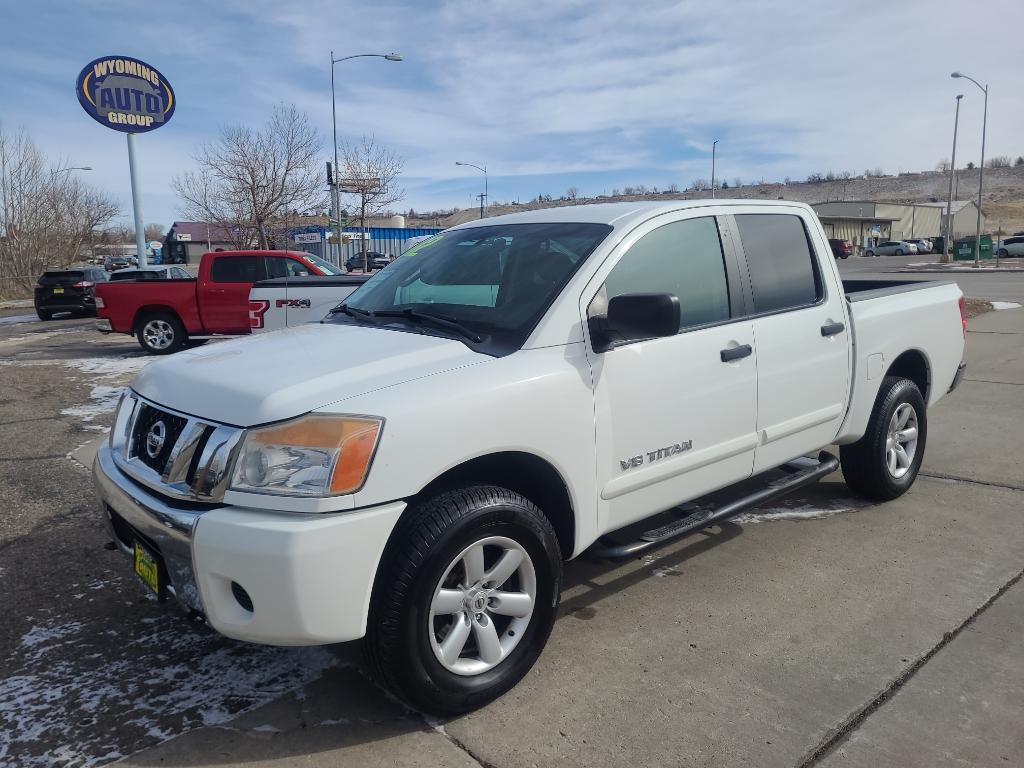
<point x="147" y="419"/>
<point x="195" y="460"/>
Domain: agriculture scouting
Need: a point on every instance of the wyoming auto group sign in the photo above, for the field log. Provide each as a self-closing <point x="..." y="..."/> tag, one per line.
<point x="125" y="94"/>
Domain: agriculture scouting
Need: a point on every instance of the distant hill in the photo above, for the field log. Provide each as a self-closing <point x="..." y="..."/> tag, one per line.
<point x="1003" y="198"/>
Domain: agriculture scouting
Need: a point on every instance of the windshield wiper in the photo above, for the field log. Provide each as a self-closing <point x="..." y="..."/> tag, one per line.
<point x="426" y="317"/>
<point x="353" y="312"/>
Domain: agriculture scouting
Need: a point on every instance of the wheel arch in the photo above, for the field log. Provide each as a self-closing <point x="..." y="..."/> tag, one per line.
<point x="525" y="473"/>
<point x="913" y="364"/>
<point x="148" y="309"/>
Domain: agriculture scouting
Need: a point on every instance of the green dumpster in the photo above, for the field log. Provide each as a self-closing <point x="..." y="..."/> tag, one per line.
<point x="963" y="248"/>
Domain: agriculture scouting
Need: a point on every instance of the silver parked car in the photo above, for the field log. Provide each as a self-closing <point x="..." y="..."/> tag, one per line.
<point x="923" y="246"/>
<point x="891" y="248"/>
<point x="1012" y="246"/>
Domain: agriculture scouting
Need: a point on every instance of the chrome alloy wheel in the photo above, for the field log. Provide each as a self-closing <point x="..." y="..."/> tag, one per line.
<point x="901" y="441"/>
<point x="482" y="605"/>
<point x="158" y="334"/>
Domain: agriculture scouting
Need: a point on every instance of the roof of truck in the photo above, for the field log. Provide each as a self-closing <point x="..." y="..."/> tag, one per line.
<point x="617" y="214"/>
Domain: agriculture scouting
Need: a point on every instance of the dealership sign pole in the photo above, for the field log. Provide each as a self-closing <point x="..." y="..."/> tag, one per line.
<point x="129" y="96"/>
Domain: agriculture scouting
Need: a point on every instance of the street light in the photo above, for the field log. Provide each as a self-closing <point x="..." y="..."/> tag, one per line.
<point x="981" y="168"/>
<point x="484" y="196"/>
<point x="55" y="171"/>
<point x="334" y="120"/>
<point x="713" y="145"/>
<point x="946" y="250"/>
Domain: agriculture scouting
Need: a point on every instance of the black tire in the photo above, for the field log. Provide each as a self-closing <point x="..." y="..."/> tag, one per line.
<point x="864" y="462"/>
<point x="870" y="254"/>
<point x="173" y="333"/>
<point x="426" y="541"/>
<point x="44" y="315"/>
<point x="1002" y="252"/>
<point x="844" y="256"/>
<point x="899" y="251"/>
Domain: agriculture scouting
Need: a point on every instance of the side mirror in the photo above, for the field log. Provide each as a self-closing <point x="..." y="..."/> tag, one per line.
<point x="636" y="316"/>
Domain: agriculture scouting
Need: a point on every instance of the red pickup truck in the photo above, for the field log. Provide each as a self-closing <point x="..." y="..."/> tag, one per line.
<point x="165" y="315"/>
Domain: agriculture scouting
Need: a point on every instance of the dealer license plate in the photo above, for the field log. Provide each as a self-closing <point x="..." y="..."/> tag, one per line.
<point x="147" y="568"/>
<point x="58" y="290"/>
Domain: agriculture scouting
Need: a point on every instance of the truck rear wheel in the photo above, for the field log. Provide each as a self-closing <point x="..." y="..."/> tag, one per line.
<point x="464" y="599"/>
<point x="884" y="463"/>
<point x="161" y="333"/>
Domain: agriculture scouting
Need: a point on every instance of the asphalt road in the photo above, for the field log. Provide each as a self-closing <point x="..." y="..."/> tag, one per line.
<point x="821" y="631"/>
<point x="977" y="284"/>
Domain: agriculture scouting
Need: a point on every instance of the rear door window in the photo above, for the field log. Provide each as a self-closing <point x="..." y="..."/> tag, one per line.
<point x="235" y="269"/>
<point x="279" y="266"/>
<point x="783" y="270"/>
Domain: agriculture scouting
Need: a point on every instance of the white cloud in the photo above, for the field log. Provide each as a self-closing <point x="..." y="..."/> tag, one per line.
<point x="561" y="89"/>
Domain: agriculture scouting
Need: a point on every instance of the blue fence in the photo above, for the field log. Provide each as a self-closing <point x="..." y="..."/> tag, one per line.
<point x="390" y="241"/>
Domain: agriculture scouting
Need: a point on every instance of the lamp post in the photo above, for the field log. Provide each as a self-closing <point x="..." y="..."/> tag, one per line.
<point x="946" y="250"/>
<point x="485" y="195"/>
<point x="981" y="168"/>
<point x="713" y="145"/>
<point x="334" y="122"/>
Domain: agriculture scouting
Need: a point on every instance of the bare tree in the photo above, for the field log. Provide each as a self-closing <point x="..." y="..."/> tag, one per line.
<point x="571" y="193"/>
<point x="154" y="231"/>
<point x="943" y="165"/>
<point x="250" y="180"/>
<point x="46" y="213"/>
<point x="673" y="187"/>
<point x="371" y="172"/>
<point x="999" y="161"/>
<point x="699" y="185"/>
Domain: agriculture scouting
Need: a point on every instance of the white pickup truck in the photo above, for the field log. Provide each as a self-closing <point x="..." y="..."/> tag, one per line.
<point x="591" y="380"/>
<point x="285" y="301"/>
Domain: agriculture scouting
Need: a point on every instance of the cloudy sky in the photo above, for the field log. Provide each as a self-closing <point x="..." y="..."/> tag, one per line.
<point x="597" y="94"/>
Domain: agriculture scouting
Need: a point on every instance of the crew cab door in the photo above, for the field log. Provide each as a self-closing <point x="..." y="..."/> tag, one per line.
<point x="801" y="329"/>
<point x="224" y="295"/>
<point x="674" y="416"/>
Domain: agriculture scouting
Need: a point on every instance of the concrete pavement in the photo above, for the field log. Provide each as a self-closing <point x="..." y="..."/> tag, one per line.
<point x="768" y="643"/>
<point x="820" y="631"/>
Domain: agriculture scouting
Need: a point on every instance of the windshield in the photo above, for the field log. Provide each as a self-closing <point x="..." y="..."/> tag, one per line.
<point x="324" y="266"/>
<point x="496" y="281"/>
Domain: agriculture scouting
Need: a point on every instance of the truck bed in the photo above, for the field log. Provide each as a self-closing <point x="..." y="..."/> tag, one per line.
<point x="862" y="290"/>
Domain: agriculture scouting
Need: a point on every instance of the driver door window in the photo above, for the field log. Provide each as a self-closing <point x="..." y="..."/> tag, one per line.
<point x="683" y="258"/>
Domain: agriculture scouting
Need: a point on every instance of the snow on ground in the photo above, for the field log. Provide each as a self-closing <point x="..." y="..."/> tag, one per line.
<point x="797" y="510"/>
<point x="77" y="695"/>
<point x="15" y="319"/>
<point x="997" y="305"/>
<point x="104" y="396"/>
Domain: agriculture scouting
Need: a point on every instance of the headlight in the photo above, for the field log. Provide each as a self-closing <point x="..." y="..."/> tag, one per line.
<point x="309" y="456"/>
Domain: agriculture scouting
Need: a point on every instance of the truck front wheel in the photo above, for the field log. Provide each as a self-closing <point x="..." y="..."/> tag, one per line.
<point x="161" y="333"/>
<point x="884" y="463"/>
<point x="464" y="599"/>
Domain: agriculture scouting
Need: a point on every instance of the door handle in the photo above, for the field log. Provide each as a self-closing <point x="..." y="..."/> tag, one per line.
<point x="831" y="329"/>
<point x="735" y="353"/>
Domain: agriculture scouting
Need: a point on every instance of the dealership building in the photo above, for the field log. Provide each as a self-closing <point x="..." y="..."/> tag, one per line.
<point x="866" y="222"/>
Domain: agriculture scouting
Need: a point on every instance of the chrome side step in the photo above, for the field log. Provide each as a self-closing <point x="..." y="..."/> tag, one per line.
<point x="800" y="472"/>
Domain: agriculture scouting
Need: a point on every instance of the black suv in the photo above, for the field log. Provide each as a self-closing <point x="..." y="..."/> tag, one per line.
<point x="374" y="260"/>
<point x="68" y="290"/>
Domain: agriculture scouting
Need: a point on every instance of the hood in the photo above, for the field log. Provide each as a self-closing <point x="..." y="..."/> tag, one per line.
<point x="286" y="373"/>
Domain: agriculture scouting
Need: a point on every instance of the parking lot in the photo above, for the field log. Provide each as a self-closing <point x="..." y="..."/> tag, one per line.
<point x="820" y="631"/>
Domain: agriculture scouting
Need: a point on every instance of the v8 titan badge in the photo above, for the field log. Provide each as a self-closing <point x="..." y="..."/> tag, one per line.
<point x="125" y="94"/>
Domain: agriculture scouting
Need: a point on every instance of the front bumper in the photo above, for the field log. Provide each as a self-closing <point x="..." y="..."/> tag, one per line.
<point x="308" y="576"/>
<point x="961" y="369"/>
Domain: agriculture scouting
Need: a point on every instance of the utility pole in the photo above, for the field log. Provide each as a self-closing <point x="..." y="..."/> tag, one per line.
<point x="947" y="249"/>
<point x="714" y="144"/>
<point x="981" y="168"/>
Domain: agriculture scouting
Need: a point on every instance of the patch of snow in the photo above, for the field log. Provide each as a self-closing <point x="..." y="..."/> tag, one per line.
<point x="342" y="721"/>
<point x="16" y="319"/>
<point x="103" y="399"/>
<point x="109" y="366"/>
<point x="797" y="511"/>
<point x="668" y="570"/>
<point x="265" y="729"/>
<point x="84" y="694"/>
<point x="997" y="305"/>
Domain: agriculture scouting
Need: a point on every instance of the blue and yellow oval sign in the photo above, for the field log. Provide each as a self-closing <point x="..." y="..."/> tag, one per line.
<point x="125" y="94"/>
